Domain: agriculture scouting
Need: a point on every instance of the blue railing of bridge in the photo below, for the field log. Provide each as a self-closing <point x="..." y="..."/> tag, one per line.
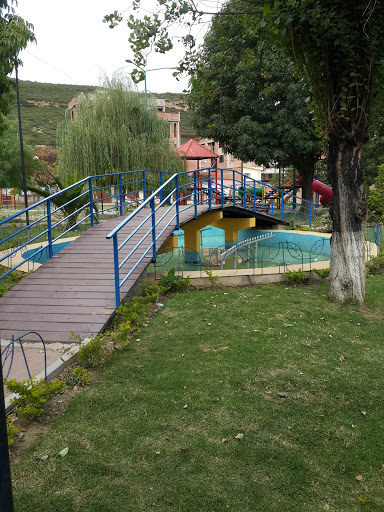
<point x="88" y="201"/>
<point x="206" y="186"/>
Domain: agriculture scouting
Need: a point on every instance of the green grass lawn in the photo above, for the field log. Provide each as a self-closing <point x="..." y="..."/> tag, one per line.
<point x="299" y="378"/>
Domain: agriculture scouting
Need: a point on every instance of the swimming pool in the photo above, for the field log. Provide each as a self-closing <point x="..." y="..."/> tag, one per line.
<point x="285" y="248"/>
<point x="41" y="255"/>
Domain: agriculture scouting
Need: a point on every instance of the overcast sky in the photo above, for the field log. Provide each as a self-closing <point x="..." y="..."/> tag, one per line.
<point x="74" y="46"/>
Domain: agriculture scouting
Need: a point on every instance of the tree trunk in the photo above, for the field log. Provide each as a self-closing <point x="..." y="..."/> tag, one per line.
<point x="306" y="183"/>
<point x="349" y="213"/>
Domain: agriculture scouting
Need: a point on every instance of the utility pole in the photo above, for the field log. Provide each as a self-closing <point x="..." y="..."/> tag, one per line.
<point x="21" y="146"/>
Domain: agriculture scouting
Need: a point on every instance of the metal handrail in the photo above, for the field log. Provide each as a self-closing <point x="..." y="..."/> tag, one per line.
<point x="203" y="187"/>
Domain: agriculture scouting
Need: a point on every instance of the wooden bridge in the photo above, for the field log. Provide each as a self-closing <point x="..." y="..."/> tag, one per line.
<point x="74" y="290"/>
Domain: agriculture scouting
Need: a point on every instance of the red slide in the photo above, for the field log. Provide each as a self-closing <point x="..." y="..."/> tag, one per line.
<point x="324" y="191"/>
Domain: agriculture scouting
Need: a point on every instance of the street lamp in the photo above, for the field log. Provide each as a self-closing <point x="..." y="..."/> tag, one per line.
<point x="145" y="75"/>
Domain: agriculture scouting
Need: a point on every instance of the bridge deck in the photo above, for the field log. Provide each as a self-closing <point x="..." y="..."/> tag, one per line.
<point x="74" y="290"/>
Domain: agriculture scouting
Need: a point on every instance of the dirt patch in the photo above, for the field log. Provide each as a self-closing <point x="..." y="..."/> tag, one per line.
<point x="44" y="103"/>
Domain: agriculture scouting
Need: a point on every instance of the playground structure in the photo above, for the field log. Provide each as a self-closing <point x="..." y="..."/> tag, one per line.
<point x="324" y="191"/>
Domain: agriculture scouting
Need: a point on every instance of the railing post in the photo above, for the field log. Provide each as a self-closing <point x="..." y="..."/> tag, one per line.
<point x="90" y="199"/>
<point x="49" y="226"/>
<point x="310" y="214"/>
<point x="222" y="188"/>
<point x="234" y="188"/>
<point x="244" y="194"/>
<point x="144" y="187"/>
<point x="161" y="182"/>
<point x="195" y="199"/>
<point x="116" y="268"/>
<point x="209" y="190"/>
<point x="177" y="201"/>
<point x="282" y="205"/>
<point x="254" y="196"/>
<point x="121" y="194"/>
<point x="153" y="215"/>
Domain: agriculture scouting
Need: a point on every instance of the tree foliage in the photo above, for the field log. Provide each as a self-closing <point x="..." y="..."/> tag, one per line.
<point x="114" y="130"/>
<point x="11" y="175"/>
<point x="245" y="95"/>
<point x="15" y="33"/>
<point x="338" y="47"/>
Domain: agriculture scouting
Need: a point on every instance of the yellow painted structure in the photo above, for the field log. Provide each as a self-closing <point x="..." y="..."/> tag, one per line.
<point x="192" y="230"/>
<point x="231" y="226"/>
<point x="169" y="244"/>
<point x="216" y="219"/>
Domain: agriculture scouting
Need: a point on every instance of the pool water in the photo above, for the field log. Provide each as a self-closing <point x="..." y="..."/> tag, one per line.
<point x="284" y="248"/>
<point x="39" y="255"/>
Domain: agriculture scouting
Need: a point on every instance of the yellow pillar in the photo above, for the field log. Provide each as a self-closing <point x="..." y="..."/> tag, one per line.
<point x="192" y="234"/>
<point x="169" y="244"/>
<point x="231" y="227"/>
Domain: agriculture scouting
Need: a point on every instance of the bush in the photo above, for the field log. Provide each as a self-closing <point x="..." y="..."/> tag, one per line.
<point x="12" y="431"/>
<point x="375" y="265"/>
<point x="172" y="283"/>
<point x="78" y="377"/>
<point x="296" y="277"/>
<point x="93" y="353"/>
<point x="323" y="273"/>
<point x="33" y="394"/>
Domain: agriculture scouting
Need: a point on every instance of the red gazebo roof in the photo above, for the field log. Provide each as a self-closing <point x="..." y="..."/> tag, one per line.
<point x="192" y="150"/>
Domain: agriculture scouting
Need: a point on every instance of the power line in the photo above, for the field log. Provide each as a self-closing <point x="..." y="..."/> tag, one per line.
<point x="53" y="67"/>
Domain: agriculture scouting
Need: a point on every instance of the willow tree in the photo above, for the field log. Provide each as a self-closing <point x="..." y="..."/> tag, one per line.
<point x="114" y="130"/>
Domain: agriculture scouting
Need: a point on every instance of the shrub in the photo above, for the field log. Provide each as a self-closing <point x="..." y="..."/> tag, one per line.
<point x="78" y="377"/>
<point x="323" y="273"/>
<point x="33" y="394"/>
<point x="375" y="265"/>
<point x="296" y="277"/>
<point x="172" y="283"/>
<point x="12" y="432"/>
<point x="93" y="353"/>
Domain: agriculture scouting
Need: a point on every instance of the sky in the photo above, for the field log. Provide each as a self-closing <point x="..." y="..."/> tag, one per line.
<point x="74" y="46"/>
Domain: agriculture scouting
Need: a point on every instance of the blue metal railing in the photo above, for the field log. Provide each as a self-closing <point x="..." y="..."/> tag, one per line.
<point x="201" y="187"/>
<point x="88" y="201"/>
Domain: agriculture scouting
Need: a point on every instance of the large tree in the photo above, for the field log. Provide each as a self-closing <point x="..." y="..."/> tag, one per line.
<point x="338" y="46"/>
<point x="15" y="33"/>
<point x="245" y="95"/>
<point x="115" y="130"/>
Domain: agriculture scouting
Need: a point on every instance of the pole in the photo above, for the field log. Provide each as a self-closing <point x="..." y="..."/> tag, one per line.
<point x="145" y="87"/>
<point x="6" y="498"/>
<point x="21" y="147"/>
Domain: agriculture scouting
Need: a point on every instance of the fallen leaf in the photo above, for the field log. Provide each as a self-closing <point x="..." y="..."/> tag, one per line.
<point x="364" y="413"/>
<point x="288" y="325"/>
<point x="185" y="406"/>
<point x="224" y="440"/>
<point x="184" y="448"/>
<point x="362" y="500"/>
<point x="342" y="358"/>
<point x="157" y="453"/>
<point x="41" y="456"/>
<point x="359" y="478"/>
<point x="64" y="452"/>
<point x="239" y="436"/>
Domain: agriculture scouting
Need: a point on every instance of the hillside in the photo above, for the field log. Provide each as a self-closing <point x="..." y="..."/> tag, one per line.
<point x="43" y="106"/>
